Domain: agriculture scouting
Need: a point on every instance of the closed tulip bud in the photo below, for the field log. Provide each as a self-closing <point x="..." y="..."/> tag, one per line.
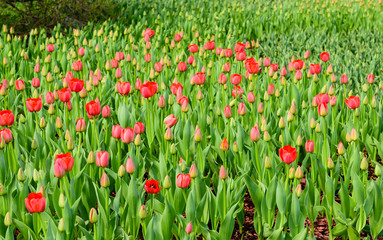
<point x="173" y="149"/>
<point x="279" y="112"/>
<point x="189" y="228"/>
<point x="291" y="173"/>
<point x="224" y="145"/>
<point x="34" y="144"/>
<point x="167" y="183"/>
<point x="348" y="137"/>
<point x="193" y="171"/>
<point x="354" y="135"/>
<point x="51" y="109"/>
<point x="298" y="173"/>
<point x="299" y="140"/>
<point x="182" y="164"/>
<point x="341" y="149"/>
<point x="364" y="164"/>
<point x="298" y="190"/>
<point x="170" y="100"/>
<point x="331" y="91"/>
<point x="8" y="219"/>
<point x="104" y="182"/>
<point x="266" y="96"/>
<point x="282" y="124"/>
<point x="121" y="171"/>
<point x="365" y="87"/>
<point x="280" y="138"/>
<point x="61" y="200"/>
<point x="93" y="216"/>
<point x="142" y="213"/>
<point x="255" y="135"/>
<point x="235" y="147"/>
<point x="266" y="136"/>
<point x="90" y="158"/>
<point x="373" y="102"/>
<point x="20" y="175"/>
<point x="197" y="134"/>
<point x="317" y="128"/>
<point x="260" y="108"/>
<point x="137" y="140"/>
<point x="357" y="112"/>
<point x="36" y="175"/>
<point x="241" y="109"/>
<point x="227" y="112"/>
<point x="185" y="107"/>
<point x="70" y="144"/>
<point x="168" y="134"/>
<point x="223" y="173"/>
<point x="312" y="123"/>
<point x="61" y="226"/>
<point x="130" y="168"/>
<point x="267" y="163"/>
<point x="290" y="117"/>
<point x="365" y="100"/>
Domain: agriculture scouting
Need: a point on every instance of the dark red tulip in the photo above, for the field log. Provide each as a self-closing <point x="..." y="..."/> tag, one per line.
<point x="152" y="186"/>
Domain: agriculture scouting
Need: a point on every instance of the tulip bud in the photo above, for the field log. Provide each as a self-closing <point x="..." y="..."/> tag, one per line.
<point x="341" y="149"/>
<point x="290" y="117"/>
<point x="291" y="173"/>
<point x="266" y="136"/>
<point x="121" y="171"/>
<point x="354" y="135"/>
<point x="20" y="175"/>
<point x="267" y="163"/>
<point x="298" y="190"/>
<point x="36" y="175"/>
<point x="130" y="168"/>
<point x="223" y="173"/>
<point x="235" y="147"/>
<point x="34" y="144"/>
<point x="312" y="123"/>
<point x="317" y="128"/>
<point x="61" y="200"/>
<point x="168" y="134"/>
<point x="193" y="171"/>
<point x="104" y="182"/>
<point x="3" y="190"/>
<point x="197" y="134"/>
<point x="299" y="140"/>
<point x="90" y="158"/>
<point x="364" y="164"/>
<point x="282" y="124"/>
<point x="299" y="173"/>
<point x="8" y="219"/>
<point x="70" y="144"/>
<point x="167" y="183"/>
<point x="61" y="226"/>
<point x="142" y="213"/>
<point x="93" y="217"/>
<point x="189" y="228"/>
<point x="137" y="140"/>
<point x="173" y="149"/>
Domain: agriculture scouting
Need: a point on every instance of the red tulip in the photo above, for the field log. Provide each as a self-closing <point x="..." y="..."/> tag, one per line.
<point x="170" y="121"/>
<point x="19" y="84"/>
<point x="298" y="75"/>
<point x="182" y="66"/>
<point x="35" y="82"/>
<point x="352" y="102"/>
<point x="250" y="97"/>
<point x="123" y="88"/>
<point x="266" y="62"/>
<point x="228" y="53"/>
<point x="344" y="79"/>
<point x="183" y="180"/>
<point x="34" y="104"/>
<point x="66" y="161"/>
<point x="93" y="108"/>
<point x="6" y="118"/>
<point x="222" y="79"/>
<point x="174" y="88"/>
<point x="119" y="56"/>
<point x="148" y="89"/>
<point x="161" y="102"/>
<point x="80" y="125"/>
<point x="58" y="169"/>
<point x="298" y="64"/>
<point x="193" y="48"/>
<point x="158" y="67"/>
<point x="218" y="51"/>
<point x="237" y="91"/>
<point x="50" y="47"/>
<point x="183" y="100"/>
<point x="309" y="146"/>
<point x="315" y="69"/>
<point x="199" y="78"/>
<point x="322" y="98"/>
<point x="283" y="71"/>
<point x="227" y="112"/>
<point x="322" y="109"/>
<point x="271" y="89"/>
<point x="252" y="66"/>
<point x="76" y="85"/>
<point x="236" y="79"/>
<point x="191" y="59"/>
<point x="49" y="97"/>
<point x="102" y="159"/>
<point x="255" y="135"/>
<point x="77" y="66"/>
<point x="210" y="45"/>
<point x="106" y="112"/>
<point x="241" y="109"/>
<point x="116" y="131"/>
<point x="152" y="186"/>
<point x="114" y="63"/>
<point x="127" y="135"/>
<point x="324" y="56"/>
<point x="6" y="134"/>
<point x="288" y="154"/>
<point x="333" y="101"/>
<point x="138" y="84"/>
<point x="81" y="51"/>
<point x="37" y="68"/>
<point x="241" y="56"/>
<point x="35" y="202"/>
<point x="274" y="66"/>
<point x="64" y="94"/>
<point x="307" y="54"/>
<point x="239" y="47"/>
<point x="177" y="37"/>
<point x="139" y="128"/>
<point x="370" y="78"/>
